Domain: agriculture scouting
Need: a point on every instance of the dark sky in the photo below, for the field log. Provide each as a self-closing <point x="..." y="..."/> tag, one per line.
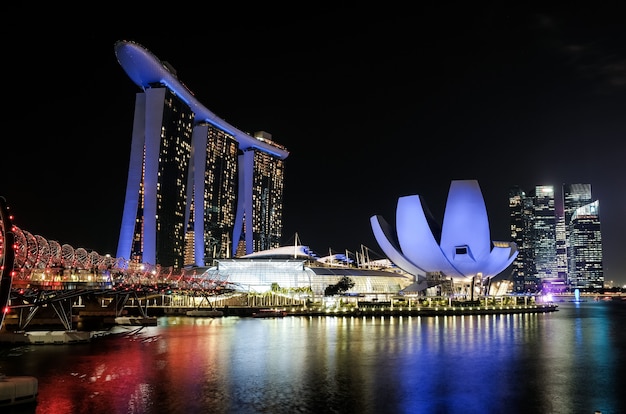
<point x="373" y="104"/>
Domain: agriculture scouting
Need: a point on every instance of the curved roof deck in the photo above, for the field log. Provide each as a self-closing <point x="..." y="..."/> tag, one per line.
<point x="146" y="70"/>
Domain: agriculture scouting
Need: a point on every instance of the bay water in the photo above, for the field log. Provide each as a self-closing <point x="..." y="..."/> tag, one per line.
<point x="569" y="361"/>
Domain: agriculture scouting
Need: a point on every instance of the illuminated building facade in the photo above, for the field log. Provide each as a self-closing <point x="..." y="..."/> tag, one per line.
<point x="582" y="228"/>
<point x="533" y="223"/>
<point x="556" y="249"/>
<point x="198" y="188"/>
<point x="263" y="191"/>
<point x="157" y="179"/>
<point x="520" y="209"/>
<point x="561" y="248"/>
<point x="213" y="193"/>
<point x="543" y="232"/>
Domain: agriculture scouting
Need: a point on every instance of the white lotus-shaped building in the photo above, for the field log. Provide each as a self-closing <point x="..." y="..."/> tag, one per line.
<point x="461" y="249"/>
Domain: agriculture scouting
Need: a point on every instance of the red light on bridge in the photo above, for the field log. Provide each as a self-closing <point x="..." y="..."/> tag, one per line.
<point x="5" y="310"/>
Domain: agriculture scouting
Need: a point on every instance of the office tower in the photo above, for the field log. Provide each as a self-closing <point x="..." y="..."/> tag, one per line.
<point x="543" y="232"/>
<point x="556" y="248"/>
<point x="584" y="238"/>
<point x="520" y="210"/>
<point x="196" y="183"/>
<point x="561" y="248"/>
<point x="533" y="228"/>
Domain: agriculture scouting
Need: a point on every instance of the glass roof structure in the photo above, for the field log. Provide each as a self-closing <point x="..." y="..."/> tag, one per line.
<point x="261" y="275"/>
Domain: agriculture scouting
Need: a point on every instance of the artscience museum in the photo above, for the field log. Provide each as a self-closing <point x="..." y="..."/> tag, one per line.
<point x="459" y="251"/>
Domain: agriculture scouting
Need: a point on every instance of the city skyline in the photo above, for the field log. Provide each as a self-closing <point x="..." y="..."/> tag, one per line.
<point x="557" y="245"/>
<point x="371" y="111"/>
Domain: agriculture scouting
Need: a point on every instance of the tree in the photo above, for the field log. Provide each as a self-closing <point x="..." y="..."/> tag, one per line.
<point x="344" y="284"/>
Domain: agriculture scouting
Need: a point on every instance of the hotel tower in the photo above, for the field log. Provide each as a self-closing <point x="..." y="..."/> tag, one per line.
<point x="198" y="188"/>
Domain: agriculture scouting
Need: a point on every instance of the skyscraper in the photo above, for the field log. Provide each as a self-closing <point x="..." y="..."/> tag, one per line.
<point x="196" y="183"/>
<point x="543" y="232"/>
<point x="556" y="248"/>
<point x="259" y="221"/>
<point x="213" y="189"/>
<point x="157" y="180"/>
<point x="533" y="228"/>
<point x="521" y="214"/>
<point x="584" y="238"/>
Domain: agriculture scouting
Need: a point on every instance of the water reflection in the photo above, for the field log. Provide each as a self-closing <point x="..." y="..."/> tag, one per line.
<point x="568" y="361"/>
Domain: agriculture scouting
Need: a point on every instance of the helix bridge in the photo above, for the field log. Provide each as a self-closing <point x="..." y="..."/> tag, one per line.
<point x="37" y="272"/>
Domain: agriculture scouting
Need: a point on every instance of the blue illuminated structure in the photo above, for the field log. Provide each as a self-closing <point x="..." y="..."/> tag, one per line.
<point x="152" y="215"/>
<point x="146" y="70"/>
<point x="462" y="249"/>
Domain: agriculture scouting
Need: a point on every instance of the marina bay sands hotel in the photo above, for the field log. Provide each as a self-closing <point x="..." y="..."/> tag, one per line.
<point x="198" y="188"/>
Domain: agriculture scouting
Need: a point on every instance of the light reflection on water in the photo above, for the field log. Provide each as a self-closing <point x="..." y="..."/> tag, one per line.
<point x="569" y="361"/>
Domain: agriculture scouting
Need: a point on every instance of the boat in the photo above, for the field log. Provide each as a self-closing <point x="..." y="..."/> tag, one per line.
<point x="18" y="390"/>
<point x="269" y="313"/>
<point x="136" y="320"/>
<point x="205" y="312"/>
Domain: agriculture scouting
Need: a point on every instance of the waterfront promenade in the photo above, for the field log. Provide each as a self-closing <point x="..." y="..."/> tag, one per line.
<point x="91" y="320"/>
<point x="93" y="323"/>
<point x="245" y="311"/>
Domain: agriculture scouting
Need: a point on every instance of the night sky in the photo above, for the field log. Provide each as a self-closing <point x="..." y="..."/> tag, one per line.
<point x="373" y="104"/>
